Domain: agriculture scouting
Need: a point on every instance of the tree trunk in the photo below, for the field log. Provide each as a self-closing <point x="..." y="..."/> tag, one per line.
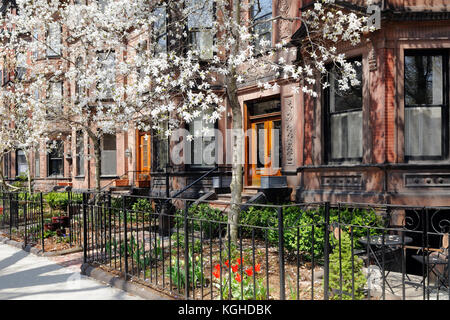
<point x="27" y="158"/>
<point x="232" y="94"/>
<point x="98" y="164"/>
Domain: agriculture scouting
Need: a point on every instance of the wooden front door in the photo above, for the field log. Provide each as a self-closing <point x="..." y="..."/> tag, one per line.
<point x="144" y="160"/>
<point x="263" y="149"/>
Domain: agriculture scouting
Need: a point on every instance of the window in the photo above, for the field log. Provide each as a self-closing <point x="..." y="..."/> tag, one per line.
<point x="21" y="66"/>
<point x="109" y="156"/>
<point x="55" y="96"/>
<point x="426" y="105"/>
<point x="262" y="11"/>
<point x="107" y="62"/>
<point x="54" y="40"/>
<point x="80" y="154"/>
<point x="78" y="65"/>
<point x="22" y="166"/>
<point x="56" y="159"/>
<point x="141" y="50"/>
<point x="37" y="164"/>
<point x="203" y="143"/>
<point x="160" y="151"/>
<point x="344" y="119"/>
<point x="102" y="5"/>
<point x="200" y="23"/>
<point x="160" y="30"/>
<point x="36" y="43"/>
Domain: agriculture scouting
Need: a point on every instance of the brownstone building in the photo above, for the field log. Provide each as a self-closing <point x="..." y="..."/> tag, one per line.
<point x="386" y="141"/>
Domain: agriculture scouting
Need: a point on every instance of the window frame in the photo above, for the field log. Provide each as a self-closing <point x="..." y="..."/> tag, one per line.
<point x="102" y="145"/>
<point x="191" y="31"/>
<point x="261" y="18"/>
<point x="79" y="158"/>
<point x="327" y="117"/>
<point x="50" y="158"/>
<point x="156" y="38"/>
<point x="50" y="52"/>
<point x="17" y="163"/>
<point x="444" y="106"/>
<point x="202" y="166"/>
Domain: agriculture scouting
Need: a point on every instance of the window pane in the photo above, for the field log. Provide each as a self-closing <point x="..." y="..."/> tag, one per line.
<point x="54" y="40"/>
<point x="346" y="135"/>
<point x="262" y="8"/>
<point x="109" y="156"/>
<point x="264" y="107"/>
<point x="203" y="144"/>
<point x="423" y="80"/>
<point x="423" y="131"/>
<point x="37" y="162"/>
<point x="345" y="100"/>
<point x="56" y="163"/>
<point x="22" y="167"/>
<point x="203" y="42"/>
<point x="80" y="154"/>
<point x="201" y="14"/>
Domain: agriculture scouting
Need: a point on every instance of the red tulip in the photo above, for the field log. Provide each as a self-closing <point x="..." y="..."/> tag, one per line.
<point x="234" y="268"/>
<point x="249" y="272"/>
<point x="258" y="268"/>
<point x="238" y="277"/>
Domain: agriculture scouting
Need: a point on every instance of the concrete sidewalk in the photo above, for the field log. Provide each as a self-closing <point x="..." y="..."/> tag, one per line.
<point x="26" y="276"/>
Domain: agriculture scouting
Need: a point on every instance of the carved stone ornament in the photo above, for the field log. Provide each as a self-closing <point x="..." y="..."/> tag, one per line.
<point x="290" y="131"/>
<point x="284" y="26"/>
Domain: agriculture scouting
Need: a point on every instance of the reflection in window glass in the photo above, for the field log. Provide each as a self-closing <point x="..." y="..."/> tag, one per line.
<point x="200" y="22"/>
<point x="345" y="119"/>
<point x="424" y="103"/>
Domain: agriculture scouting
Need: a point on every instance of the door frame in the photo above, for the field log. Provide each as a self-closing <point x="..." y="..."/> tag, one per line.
<point x="248" y="121"/>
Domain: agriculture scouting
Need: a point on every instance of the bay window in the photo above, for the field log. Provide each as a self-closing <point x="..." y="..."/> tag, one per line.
<point x="426" y="105"/>
<point x="344" y="119"/>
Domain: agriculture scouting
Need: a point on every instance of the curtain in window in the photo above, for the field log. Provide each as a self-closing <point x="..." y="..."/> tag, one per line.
<point x="424" y="79"/>
<point x="37" y="164"/>
<point x="109" y="155"/>
<point x="345" y="119"/>
<point x="203" y="143"/>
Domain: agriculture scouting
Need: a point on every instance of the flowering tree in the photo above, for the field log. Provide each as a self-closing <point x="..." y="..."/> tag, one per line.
<point x="91" y="65"/>
<point x="157" y="64"/>
<point x="235" y="49"/>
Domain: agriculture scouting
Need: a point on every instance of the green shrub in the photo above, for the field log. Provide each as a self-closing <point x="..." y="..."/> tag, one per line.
<point x="207" y="219"/>
<point x="352" y="276"/>
<point x="142" y="207"/>
<point x="259" y="217"/>
<point x="57" y="200"/>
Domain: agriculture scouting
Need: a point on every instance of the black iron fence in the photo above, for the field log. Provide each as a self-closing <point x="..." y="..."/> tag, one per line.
<point x="42" y="220"/>
<point x="307" y="251"/>
<point x="293" y="251"/>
